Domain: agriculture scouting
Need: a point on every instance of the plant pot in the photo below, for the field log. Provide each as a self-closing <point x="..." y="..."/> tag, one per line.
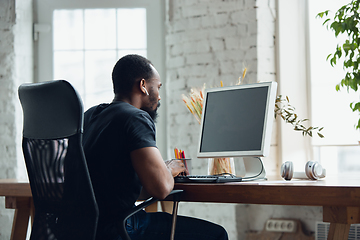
<point x="218" y="166"/>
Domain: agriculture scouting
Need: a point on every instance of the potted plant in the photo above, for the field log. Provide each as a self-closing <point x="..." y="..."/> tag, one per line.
<point x="346" y="21"/>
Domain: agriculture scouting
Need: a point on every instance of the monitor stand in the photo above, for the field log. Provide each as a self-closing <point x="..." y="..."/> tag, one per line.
<point x="252" y="168"/>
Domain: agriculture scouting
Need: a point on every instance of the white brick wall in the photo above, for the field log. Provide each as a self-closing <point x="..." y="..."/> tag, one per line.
<point x="24" y="68"/>
<point x="206" y="41"/>
<point x="7" y="108"/>
<point x="15" y="67"/>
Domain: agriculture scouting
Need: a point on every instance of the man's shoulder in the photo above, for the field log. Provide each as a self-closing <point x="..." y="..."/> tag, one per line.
<point x="117" y="111"/>
<point x="112" y="109"/>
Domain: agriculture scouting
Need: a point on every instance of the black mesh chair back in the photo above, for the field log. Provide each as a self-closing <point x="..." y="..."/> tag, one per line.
<point x="65" y="205"/>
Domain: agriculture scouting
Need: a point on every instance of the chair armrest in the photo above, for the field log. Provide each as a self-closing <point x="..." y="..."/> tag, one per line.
<point x="174" y="193"/>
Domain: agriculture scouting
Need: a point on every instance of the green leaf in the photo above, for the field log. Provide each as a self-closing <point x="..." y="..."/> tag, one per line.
<point x="356" y="65"/>
<point x="327" y="58"/>
<point x="321" y="14"/>
<point x="333" y="61"/>
<point x="351" y="55"/>
<point x="337" y="87"/>
<point x="355" y="107"/>
<point x="326" y="21"/>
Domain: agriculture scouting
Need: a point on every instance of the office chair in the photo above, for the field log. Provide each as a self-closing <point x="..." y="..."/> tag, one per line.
<point x="64" y="201"/>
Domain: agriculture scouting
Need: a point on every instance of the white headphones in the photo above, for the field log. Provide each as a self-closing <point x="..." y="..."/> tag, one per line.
<point x="313" y="171"/>
<point x="146" y="91"/>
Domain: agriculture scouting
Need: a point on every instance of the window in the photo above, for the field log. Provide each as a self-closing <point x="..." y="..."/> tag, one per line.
<point x="339" y="151"/>
<point x="87" y="43"/>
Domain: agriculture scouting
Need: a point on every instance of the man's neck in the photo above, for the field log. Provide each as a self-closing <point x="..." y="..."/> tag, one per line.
<point x="132" y="100"/>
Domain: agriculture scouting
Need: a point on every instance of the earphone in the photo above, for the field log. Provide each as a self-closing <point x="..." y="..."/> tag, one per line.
<point x="146" y="91"/>
<point x="313" y="171"/>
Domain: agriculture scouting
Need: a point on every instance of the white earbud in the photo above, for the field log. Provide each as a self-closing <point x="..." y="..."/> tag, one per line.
<point x="146" y="91"/>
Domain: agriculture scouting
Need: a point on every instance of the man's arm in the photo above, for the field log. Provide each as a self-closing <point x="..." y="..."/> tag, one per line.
<point x="156" y="177"/>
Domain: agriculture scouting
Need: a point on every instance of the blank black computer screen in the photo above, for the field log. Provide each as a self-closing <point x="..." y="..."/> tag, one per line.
<point x="233" y="120"/>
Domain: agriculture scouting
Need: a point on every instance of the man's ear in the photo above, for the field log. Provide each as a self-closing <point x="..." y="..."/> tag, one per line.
<point x="142" y="86"/>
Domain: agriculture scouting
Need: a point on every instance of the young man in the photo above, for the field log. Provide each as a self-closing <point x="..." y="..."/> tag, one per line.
<point x="120" y="149"/>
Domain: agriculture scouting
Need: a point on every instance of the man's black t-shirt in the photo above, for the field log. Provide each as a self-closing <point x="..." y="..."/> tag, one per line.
<point x="111" y="132"/>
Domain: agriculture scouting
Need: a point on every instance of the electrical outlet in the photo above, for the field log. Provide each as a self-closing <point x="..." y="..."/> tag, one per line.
<point x="281" y="225"/>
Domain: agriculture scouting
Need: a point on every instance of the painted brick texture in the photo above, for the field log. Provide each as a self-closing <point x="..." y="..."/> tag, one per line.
<point x="208" y="42"/>
<point x="16" y="67"/>
<point x="7" y="108"/>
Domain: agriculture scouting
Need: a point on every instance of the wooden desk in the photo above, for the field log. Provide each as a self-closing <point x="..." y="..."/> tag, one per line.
<point x="18" y="196"/>
<point x="339" y="197"/>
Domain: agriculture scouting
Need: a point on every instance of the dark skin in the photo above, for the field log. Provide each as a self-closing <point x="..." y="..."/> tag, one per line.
<point x="156" y="176"/>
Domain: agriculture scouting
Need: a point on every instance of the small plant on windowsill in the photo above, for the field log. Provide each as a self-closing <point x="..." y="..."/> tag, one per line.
<point x="346" y="21"/>
<point x="283" y="109"/>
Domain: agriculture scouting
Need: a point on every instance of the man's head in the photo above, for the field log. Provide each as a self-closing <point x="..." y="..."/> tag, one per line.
<point x="129" y="70"/>
<point x="135" y="77"/>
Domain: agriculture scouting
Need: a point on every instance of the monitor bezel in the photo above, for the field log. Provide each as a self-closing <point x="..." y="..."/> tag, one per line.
<point x="268" y="122"/>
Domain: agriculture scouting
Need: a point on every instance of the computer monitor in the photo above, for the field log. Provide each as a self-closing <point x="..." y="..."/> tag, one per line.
<point x="237" y="121"/>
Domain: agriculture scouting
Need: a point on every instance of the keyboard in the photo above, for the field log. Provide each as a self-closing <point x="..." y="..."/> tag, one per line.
<point x="207" y="179"/>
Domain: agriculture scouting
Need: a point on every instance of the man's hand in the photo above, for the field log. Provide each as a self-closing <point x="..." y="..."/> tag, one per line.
<point x="176" y="167"/>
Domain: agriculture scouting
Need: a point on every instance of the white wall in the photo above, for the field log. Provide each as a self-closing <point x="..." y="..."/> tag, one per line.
<point x="208" y="42"/>
<point x="7" y="108"/>
<point x="15" y="67"/>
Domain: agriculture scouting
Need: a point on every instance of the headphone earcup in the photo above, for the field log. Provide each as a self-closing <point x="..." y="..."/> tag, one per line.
<point x="287" y="170"/>
<point x="313" y="170"/>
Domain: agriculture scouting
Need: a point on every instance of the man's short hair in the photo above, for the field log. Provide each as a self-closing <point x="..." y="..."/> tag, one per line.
<point x="129" y="70"/>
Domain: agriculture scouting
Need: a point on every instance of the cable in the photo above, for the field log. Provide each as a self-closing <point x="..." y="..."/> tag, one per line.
<point x="252" y="178"/>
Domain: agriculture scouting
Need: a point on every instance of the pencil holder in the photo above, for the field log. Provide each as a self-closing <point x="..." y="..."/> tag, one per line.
<point x="218" y="166"/>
